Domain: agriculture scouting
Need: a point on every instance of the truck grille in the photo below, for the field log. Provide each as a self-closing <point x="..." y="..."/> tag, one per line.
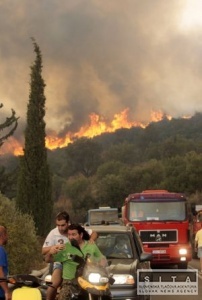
<point x="160" y="257"/>
<point x="159" y="236"/>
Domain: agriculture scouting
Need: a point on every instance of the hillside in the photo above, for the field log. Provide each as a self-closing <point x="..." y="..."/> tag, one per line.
<point x="155" y="133"/>
<point x="105" y="169"/>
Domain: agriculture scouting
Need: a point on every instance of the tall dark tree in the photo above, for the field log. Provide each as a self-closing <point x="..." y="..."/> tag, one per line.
<point x="34" y="182"/>
<point x="10" y="125"/>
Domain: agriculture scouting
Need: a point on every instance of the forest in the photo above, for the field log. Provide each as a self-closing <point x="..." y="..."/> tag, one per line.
<point x="103" y="170"/>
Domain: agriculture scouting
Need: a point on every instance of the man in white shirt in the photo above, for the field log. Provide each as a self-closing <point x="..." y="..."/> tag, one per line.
<point x="56" y="239"/>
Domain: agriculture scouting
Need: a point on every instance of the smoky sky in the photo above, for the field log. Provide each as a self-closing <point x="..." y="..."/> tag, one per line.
<point x="100" y="56"/>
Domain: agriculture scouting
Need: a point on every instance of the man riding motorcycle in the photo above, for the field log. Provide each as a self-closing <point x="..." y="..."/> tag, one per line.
<point x="65" y="256"/>
<point x="56" y="239"/>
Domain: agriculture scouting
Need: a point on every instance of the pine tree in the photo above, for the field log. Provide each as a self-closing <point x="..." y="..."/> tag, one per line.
<point x="34" y="181"/>
<point x="11" y="123"/>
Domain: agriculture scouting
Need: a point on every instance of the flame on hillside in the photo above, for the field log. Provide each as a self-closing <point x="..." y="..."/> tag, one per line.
<point x="96" y="126"/>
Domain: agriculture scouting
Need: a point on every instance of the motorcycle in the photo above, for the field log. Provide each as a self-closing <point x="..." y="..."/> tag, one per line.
<point x="25" y="286"/>
<point x="92" y="278"/>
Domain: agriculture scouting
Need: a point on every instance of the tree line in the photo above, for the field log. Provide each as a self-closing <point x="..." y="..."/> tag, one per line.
<point x="94" y="175"/>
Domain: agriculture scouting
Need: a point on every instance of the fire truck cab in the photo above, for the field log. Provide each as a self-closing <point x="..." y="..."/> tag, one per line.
<point x="162" y="221"/>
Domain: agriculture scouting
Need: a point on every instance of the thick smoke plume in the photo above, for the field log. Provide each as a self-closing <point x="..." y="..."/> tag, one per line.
<point x="101" y="57"/>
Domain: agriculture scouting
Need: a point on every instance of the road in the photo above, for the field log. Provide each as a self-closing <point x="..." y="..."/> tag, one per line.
<point x="194" y="264"/>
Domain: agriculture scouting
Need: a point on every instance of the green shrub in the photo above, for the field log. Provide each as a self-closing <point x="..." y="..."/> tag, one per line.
<point x="23" y="247"/>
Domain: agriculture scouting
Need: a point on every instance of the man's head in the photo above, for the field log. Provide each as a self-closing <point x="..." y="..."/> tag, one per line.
<point x="77" y="232"/>
<point x="3" y="235"/>
<point x="62" y="222"/>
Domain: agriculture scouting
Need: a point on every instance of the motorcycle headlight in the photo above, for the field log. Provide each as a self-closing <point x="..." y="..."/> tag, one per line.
<point x="123" y="279"/>
<point x="97" y="278"/>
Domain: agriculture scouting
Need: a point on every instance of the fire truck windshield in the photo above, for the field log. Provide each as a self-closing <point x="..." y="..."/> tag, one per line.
<point x="157" y="211"/>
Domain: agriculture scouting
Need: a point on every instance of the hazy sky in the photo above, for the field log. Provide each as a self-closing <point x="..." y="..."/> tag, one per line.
<point x="102" y="56"/>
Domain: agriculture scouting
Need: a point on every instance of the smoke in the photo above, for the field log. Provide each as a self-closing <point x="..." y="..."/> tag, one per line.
<point x="102" y="57"/>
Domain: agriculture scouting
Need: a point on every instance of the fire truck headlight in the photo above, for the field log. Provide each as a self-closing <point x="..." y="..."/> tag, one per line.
<point x="183" y="251"/>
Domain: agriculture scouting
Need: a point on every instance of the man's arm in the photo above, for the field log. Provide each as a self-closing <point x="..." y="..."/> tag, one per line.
<point x="53" y="249"/>
<point x="93" y="236"/>
<point x="49" y="243"/>
<point x="49" y="257"/>
<point x="45" y="250"/>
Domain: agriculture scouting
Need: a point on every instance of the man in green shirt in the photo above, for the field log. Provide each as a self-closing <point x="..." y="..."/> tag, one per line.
<point x="78" y="233"/>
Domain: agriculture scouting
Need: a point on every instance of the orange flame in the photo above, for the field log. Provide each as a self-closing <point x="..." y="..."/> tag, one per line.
<point x="96" y="126"/>
<point x="11" y="146"/>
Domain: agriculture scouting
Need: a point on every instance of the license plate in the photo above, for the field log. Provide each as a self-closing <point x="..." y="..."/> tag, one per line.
<point x="159" y="251"/>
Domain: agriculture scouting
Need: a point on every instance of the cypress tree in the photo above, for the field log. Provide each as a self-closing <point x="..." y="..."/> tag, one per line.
<point x="34" y="181"/>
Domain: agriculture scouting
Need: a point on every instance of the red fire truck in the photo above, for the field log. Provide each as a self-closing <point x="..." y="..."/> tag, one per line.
<point x="162" y="222"/>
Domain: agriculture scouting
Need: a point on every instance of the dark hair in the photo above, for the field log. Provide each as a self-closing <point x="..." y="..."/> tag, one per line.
<point x="63" y="215"/>
<point x="80" y="230"/>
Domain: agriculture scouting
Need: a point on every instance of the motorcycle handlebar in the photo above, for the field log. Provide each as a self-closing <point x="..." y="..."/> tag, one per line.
<point x="24" y="280"/>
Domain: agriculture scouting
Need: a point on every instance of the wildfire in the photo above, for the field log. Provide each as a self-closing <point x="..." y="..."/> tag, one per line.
<point x="97" y="125"/>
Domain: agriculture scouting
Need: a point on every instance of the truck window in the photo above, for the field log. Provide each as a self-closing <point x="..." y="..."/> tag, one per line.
<point x="162" y="211"/>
